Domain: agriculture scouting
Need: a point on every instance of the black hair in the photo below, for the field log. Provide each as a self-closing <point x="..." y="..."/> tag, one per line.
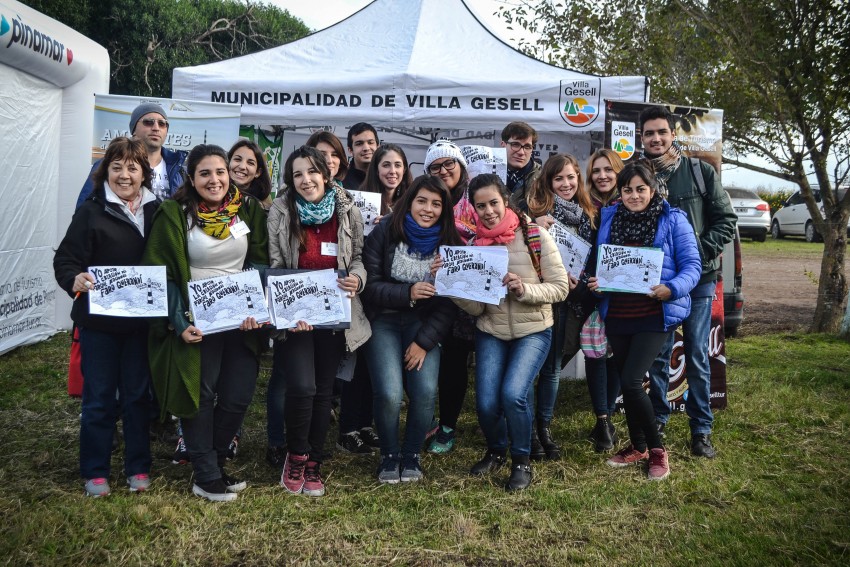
<point x="318" y="160"/>
<point x="260" y="187"/>
<point x="654" y="112"/>
<point x="187" y="195"/>
<point x="358" y="129"/>
<point x="448" y="231"/>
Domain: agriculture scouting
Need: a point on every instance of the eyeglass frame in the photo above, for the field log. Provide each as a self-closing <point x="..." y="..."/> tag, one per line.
<point x="442" y="165"/>
<point x="516" y="146"/>
<point x="149" y="122"/>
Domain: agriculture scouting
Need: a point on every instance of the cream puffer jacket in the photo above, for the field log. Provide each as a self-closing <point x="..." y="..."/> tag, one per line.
<point x="513" y="317"/>
<point x="284" y="252"/>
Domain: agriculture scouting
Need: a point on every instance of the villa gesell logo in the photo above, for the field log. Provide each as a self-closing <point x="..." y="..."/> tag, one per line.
<point x="579" y="101"/>
<point x="26" y="36"/>
<point x="623" y="139"/>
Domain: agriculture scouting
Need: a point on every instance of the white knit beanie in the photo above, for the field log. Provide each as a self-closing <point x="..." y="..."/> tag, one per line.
<point x="443" y="149"/>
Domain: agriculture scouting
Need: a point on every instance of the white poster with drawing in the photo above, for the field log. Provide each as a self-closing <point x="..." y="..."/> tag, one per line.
<point x="370" y="207"/>
<point x="128" y="291"/>
<point x="628" y="268"/>
<point x="473" y="272"/>
<point x="313" y="297"/>
<point x="484" y="159"/>
<point x="573" y="248"/>
<point x="222" y="303"/>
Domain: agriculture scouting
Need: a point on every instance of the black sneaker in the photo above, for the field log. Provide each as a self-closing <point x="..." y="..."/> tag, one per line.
<point x="276" y="455"/>
<point x="181" y="454"/>
<point x="370" y="438"/>
<point x="214" y="491"/>
<point x="232" y="484"/>
<point x="520" y="477"/>
<point x="388" y="470"/>
<point x="411" y="468"/>
<point x="352" y="443"/>
<point x="701" y="446"/>
<point x="490" y="463"/>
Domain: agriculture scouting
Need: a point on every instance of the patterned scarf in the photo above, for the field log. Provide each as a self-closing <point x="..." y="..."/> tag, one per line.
<point x="311" y="214"/>
<point x="571" y="215"/>
<point x="516" y="177"/>
<point x="502" y="233"/>
<point x="665" y="165"/>
<point x="217" y="222"/>
<point x="628" y="228"/>
<point x="465" y="217"/>
<point x="421" y="240"/>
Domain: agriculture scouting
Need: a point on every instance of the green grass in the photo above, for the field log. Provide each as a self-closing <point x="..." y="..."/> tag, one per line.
<point x="794" y="246"/>
<point x="777" y="494"/>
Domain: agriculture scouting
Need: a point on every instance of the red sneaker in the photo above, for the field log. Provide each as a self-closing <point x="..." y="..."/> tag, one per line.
<point x="313" y="485"/>
<point x="626" y="457"/>
<point x="292" y="478"/>
<point x="659" y="468"/>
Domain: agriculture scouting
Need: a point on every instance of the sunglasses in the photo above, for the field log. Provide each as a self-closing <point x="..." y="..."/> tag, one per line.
<point x="149" y="122"/>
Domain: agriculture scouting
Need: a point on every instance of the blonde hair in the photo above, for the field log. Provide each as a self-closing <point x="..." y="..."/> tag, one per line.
<point x="616" y="164"/>
<point x="541" y="197"/>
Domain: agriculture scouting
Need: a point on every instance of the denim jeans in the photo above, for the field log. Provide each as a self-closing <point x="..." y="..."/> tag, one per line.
<point x="228" y="377"/>
<point x="546" y="390"/>
<point x="504" y="373"/>
<point x="114" y="362"/>
<point x="603" y="383"/>
<point x="695" y="330"/>
<point x="392" y="333"/>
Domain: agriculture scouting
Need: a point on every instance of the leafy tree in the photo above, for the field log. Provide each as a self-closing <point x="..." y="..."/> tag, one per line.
<point x="147" y="39"/>
<point x="777" y="68"/>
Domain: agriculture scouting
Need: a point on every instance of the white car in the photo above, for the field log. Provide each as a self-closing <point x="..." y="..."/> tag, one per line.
<point x="793" y="219"/>
<point x="753" y="213"/>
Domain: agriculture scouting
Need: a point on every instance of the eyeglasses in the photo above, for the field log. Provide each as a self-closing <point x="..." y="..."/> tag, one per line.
<point x="149" y="122"/>
<point x="516" y="146"/>
<point x="448" y="165"/>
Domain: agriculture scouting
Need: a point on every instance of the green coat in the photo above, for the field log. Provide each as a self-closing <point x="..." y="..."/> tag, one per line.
<point x="175" y="364"/>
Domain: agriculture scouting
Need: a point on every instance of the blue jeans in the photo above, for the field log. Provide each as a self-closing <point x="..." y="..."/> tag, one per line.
<point x="550" y="373"/>
<point x="392" y="333"/>
<point x="695" y="330"/>
<point x="114" y="362"/>
<point x="603" y="383"/>
<point x="504" y="372"/>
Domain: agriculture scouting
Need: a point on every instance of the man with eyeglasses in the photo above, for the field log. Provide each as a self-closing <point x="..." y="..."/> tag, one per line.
<point x="362" y="143"/>
<point x="149" y="123"/>
<point x="519" y="138"/>
<point x="713" y="219"/>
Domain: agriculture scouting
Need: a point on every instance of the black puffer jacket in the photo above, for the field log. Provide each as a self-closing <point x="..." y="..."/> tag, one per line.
<point x="383" y="292"/>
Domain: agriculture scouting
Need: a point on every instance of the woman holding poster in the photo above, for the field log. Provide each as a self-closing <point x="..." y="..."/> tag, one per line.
<point x="314" y="225"/>
<point x="210" y="228"/>
<point x="110" y="229"/>
<point x="512" y="339"/>
<point x="408" y="322"/>
<point x="558" y="197"/>
<point x="637" y="325"/>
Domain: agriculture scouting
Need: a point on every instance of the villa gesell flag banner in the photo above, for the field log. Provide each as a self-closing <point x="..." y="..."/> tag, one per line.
<point x="473" y="272"/>
<point x="222" y="303"/>
<point x="189" y="123"/>
<point x="700" y="133"/>
<point x="128" y="291"/>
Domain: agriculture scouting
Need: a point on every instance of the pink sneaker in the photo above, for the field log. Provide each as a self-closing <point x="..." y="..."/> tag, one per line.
<point x="292" y="478"/>
<point x="139" y="482"/>
<point x="313" y="485"/>
<point x="659" y="468"/>
<point x="626" y="457"/>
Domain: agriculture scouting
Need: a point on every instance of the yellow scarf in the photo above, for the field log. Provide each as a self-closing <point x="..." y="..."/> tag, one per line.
<point x="217" y="222"/>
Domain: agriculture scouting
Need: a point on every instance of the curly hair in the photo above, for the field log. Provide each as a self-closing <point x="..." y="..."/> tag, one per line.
<point x="541" y="196"/>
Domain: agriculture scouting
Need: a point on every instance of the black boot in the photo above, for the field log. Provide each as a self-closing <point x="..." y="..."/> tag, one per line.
<point x="491" y="462"/>
<point x="520" y="474"/>
<point x="603" y="435"/>
<point x="537" y="452"/>
<point x="544" y="434"/>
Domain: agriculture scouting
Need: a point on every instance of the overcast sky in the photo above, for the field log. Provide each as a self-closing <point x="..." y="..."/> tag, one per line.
<point x="319" y="14"/>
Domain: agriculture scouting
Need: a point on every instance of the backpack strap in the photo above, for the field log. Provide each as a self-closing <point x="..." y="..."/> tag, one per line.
<point x="696" y="171"/>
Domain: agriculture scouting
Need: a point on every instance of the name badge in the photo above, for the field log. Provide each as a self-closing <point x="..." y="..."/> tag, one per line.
<point x="239" y="229"/>
<point x="329" y="249"/>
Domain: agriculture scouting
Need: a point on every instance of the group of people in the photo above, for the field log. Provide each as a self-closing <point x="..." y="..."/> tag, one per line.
<point x="403" y="338"/>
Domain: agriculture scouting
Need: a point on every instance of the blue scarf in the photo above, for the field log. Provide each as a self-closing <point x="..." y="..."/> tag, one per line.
<point x="316" y="213"/>
<point x="422" y="241"/>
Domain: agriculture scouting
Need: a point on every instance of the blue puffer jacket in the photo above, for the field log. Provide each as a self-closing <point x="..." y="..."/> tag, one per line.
<point x="173" y="167"/>
<point x="682" y="265"/>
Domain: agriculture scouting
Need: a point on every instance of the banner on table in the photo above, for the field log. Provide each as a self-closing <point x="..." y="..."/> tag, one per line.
<point x="189" y="123"/>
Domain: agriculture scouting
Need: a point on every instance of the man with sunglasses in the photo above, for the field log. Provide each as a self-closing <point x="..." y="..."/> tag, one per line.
<point x="519" y="139"/>
<point x="149" y="123"/>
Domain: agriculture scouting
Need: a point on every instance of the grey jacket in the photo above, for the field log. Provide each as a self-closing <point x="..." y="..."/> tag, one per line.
<point x="284" y="250"/>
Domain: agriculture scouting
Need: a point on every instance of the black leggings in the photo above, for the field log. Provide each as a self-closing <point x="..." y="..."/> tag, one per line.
<point x="453" y="379"/>
<point x="633" y="355"/>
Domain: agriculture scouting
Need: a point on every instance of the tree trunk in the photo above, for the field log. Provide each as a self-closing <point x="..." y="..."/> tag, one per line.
<point x="832" y="286"/>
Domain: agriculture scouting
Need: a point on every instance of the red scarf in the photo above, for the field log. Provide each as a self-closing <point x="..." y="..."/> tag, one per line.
<point x="502" y="233"/>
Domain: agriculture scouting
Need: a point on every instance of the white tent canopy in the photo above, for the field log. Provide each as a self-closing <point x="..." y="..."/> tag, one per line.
<point x="48" y="75"/>
<point x="419" y="64"/>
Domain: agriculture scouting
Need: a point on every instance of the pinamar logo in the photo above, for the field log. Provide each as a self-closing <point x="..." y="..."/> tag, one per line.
<point x="29" y="37"/>
<point x="623" y="139"/>
<point x="579" y="101"/>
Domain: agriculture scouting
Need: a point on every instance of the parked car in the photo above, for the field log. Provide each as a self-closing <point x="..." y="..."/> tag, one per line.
<point x="753" y="213"/>
<point x="731" y="270"/>
<point x="794" y="219"/>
